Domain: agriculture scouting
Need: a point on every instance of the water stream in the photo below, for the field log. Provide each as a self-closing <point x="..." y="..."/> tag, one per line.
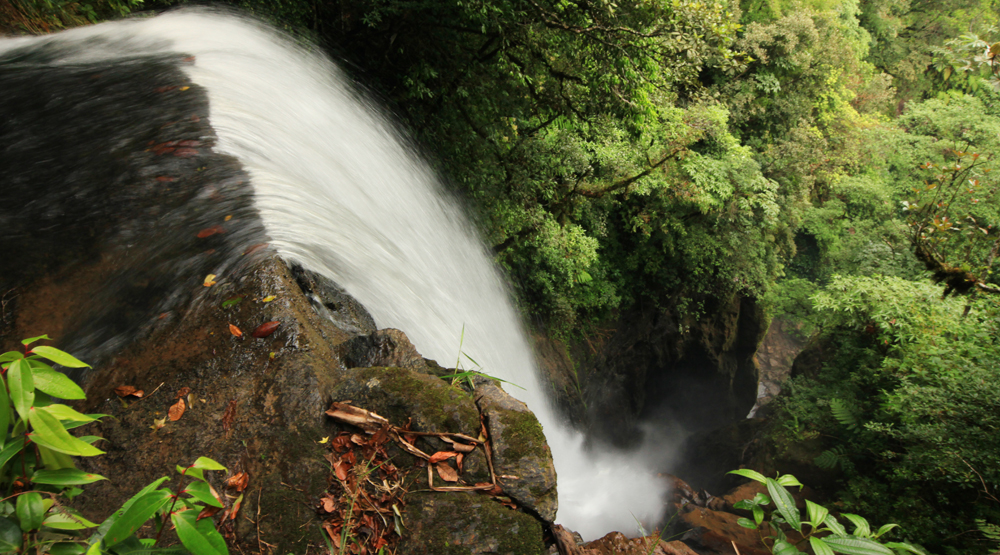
<point x="342" y="193"/>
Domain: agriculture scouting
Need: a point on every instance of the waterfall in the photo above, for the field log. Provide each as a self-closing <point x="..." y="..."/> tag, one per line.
<point x="341" y="192"/>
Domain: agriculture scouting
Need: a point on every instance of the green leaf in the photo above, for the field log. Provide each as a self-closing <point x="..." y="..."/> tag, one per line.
<point x="4" y="412"/>
<point x="30" y="511"/>
<point x="198" y="536"/>
<point x="747" y="473"/>
<point x="785" y="503"/>
<point x="903" y="546"/>
<point x="746" y="523"/>
<point x="59" y="357"/>
<point x="758" y="514"/>
<point x="817" y="513"/>
<point x="31" y="340"/>
<point x="231" y="301"/>
<point x="837" y="528"/>
<point x="203" y="492"/>
<point x="63" y="412"/>
<point x="785" y="548"/>
<point x="53" y="460"/>
<point x="789" y="481"/>
<point x="9" y="450"/>
<point x="10" y="537"/>
<point x="67" y="521"/>
<point x="853" y="545"/>
<point x="49" y="432"/>
<point x="96" y="537"/>
<point x="65" y="477"/>
<point x="53" y="382"/>
<point x="861" y="527"/>
<point x="745" y="505"/>
<point x="130" y="519"/>
<point x="207" y="464"/>
<point x="22" y="387"/>
<point x="761" y="499"/>
<point x="67" y="548"/>
<point x="820" y="547"/>
<point x="10" y="355"/>
<point x="195" y="473"/>
<point x="885" y="528"/>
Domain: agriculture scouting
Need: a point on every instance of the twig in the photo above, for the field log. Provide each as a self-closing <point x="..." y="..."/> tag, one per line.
<point x="734" y="547"/>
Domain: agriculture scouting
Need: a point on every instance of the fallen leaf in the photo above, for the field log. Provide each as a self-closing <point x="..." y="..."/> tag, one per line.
<point x="441" y="456"/>
<point x="210" y="280"/>
<point x="271" y="355"/>
<point x="368" y="421"/>
<point x="458" y="461"/>
<point x="235" y="331"/>
<point x="164" y="179"/>
<point x="159" y="423"/>
<point x="210" y="231"/>
<point x="238" y="481"/>
<point x="329" y="504"/>
<point x="446" y="472"/>
<point x="265" y="329"/>
<point x="229" y="217"/>
<point x="182" y="392"/>
<point x="208" y="511"/>
<point x="125" y="390"/>
<point x="186" y="153"/>
<point x="340" y="468"/>
<point x="177" y="410"/>
<point x="231" y="301"/>
<point x="229" y="415"/>
<point x="255" y="248"/>
<point x="324" y="440"/>
<point x="163" y="315"/>
<point x="268" y="298"/>
<point x="184" y="88"/>
<point x="236" y="507"/>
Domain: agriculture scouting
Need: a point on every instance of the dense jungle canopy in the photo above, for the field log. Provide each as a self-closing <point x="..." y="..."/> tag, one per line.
<point x="830" y="158"/>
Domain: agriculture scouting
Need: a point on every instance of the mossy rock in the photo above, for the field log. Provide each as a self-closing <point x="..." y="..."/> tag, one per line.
<point x="466" y="524"/>
<point x="519" y="451"/>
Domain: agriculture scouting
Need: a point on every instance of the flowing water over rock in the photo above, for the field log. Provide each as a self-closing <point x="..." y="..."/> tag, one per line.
<point x="341" y="193"/>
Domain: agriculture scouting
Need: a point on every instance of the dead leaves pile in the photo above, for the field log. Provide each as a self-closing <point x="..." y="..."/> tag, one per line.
<point x="362" y="507"/>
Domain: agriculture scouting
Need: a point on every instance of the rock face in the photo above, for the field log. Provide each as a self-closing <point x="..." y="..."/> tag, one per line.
<point x="137" y="247"/>
<point x="653" y="365"/>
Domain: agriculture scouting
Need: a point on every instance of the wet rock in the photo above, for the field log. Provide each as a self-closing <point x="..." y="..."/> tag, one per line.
<point x="775" y="355"/>
<point x="467" y="524"/>
<point x="387" y="347"/>
<point x="616" y="543"/>
<point x="330" y="301"/>
<point x="520" y="452"/>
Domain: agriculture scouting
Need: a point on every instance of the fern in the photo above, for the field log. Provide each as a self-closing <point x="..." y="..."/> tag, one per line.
<point x="991" y="531"/>
<point x="830" y="458"/>
<point x="844" y="412"/>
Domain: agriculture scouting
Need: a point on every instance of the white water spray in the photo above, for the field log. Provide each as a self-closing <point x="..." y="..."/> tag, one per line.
<point x="340" y="193"/>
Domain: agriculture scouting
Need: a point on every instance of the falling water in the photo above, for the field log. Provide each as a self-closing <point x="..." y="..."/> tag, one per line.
<point x="340" y="192"/>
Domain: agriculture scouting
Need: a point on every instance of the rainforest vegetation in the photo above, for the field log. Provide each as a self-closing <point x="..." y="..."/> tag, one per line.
<point x="830" y="158"/>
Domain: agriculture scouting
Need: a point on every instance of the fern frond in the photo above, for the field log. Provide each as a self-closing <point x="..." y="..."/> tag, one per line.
<point x="844" y="412"/>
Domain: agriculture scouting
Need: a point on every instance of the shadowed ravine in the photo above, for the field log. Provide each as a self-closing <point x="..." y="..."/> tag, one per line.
<point x="340" y="192"/>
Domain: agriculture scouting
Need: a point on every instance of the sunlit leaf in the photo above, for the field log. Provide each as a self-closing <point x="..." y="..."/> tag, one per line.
<point x="31" y="340"/>
<point x="65" y="477"/>
<point x="207" y="464"/>
<point x="137" y="512"/>
<point x="861" y="527"/>
<point x="746" y="523"/>
<point x="63" y="412"/>
<point x="747" y="473"/>
<point x="54" y="382"/>
<point x="817" y="513"/>
<point x="785" y="503"/>
<point x="49" y="432"/>
<point x="820" y="547"/>
<point x="67" y="521"/>
<point x="853" y="545"/>
<point x="22" y="386"/>
<point x="203" y="492"/>
<point x="59" y="357"/>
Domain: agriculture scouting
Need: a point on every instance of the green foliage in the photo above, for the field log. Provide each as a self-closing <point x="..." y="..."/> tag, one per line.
<point x="43" y="16"/>
<point x="38" y="476"/>
<point x="822" y="530"/>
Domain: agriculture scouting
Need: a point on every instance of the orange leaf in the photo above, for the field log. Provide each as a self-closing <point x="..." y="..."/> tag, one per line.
<point x="208" y="512"/>
<point x="235" y="331"/>
<point x="209" y="280"/>
<point x="441" y="456"/>
<point x="458" y="461"/>
<point x="236" y="507"/>
<point x="446" y="472"/>
<point x="182" y="392"/>
<point x="265" y="329"/>
<point x="340" y="468"/>
<point x="210" y="231"/>
<point x="238" y="481"/>
<point x="177" y="410"/>
<point x="124" y="390"/>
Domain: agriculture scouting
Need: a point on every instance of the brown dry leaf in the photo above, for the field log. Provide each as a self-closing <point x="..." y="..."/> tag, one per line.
<point x="235" y="331"/>
<point x="208" y="511"/>
<point x="340" y="468"/>
<point x="357" y="439"/>
<point x="458" y="461"/>
<point x="210" y="231"/>
<point x="441" y="456"/>
<point x="177" y="410"/>
<point x="238" y="481"/>
<point x="126" y="390"/>
<point x="446" y="472"/>
<point x="329" y="504"/>
<point x="182" y="392"/>
<point x="228" y="416"/>
<point x="159" y="423"/>
<point x="265" y="329"/>
<point x="366" y="420"/>
<point x="236" y="507"/>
